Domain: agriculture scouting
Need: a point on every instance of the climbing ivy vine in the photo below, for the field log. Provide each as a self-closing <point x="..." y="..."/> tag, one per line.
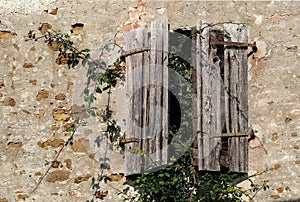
<point x="101" y="78"/>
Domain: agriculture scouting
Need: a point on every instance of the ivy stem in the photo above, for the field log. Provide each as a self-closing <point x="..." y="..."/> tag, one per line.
<point x="55" y="159"/>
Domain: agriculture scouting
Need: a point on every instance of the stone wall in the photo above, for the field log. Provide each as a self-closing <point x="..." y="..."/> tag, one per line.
<point x="37" y="94"/>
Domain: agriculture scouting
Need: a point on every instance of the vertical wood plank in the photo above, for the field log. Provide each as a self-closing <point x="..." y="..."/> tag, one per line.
<point x="129" y="90"/>
<point x="237" y="96"/>
<point x="208" y="102"/>
<point x="145" y="103"/>
<point x="205" y="104"/>
<point x="134" y="81"/>
<point x="153" y="112"/>
<point x="158" y="95"/>
<point x="165" y="98"/>
<point x="196" y="55"/>
<point x="227" y="90"/>
<point x="196" y="98"/>
<point x="156" y="46"/>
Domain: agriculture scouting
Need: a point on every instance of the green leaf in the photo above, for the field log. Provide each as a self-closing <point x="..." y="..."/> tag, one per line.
<point x="103" y="64"/>
<point x="75" y="63"/>
<point x="98" y="90"/>
<point x="85" y="50"/>
<point x="84" y="123"/>
<point x="92" y="98"/>
<point x="86" y="98"/>
<point x="77" y="119"/>
<point x="106" y="88"/>
<point x="91" y="112"/>
<point x="86" y="91"/>
<point x="92" y="66"/>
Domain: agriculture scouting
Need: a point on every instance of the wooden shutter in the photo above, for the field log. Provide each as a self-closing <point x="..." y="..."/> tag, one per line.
<point x="220" y="107"/>
<point x="147" y="81"/>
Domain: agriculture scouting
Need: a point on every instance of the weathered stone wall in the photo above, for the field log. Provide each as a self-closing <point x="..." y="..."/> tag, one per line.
<point x="36" y="94"/>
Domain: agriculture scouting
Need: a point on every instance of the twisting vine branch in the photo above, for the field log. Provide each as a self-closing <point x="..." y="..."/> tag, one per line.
<point x="69" y="141"/>
<point x="100" y="78"/>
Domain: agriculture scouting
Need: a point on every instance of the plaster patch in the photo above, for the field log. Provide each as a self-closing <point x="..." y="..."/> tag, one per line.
<point x="261" y="49"/>
<point x="24" y="6"/>
<point x="258" y="19"/>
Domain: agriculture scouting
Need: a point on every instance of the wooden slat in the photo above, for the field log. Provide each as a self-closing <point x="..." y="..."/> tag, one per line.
<point x="196" y="98"/>
<point x="165" y="98"/>
<point x="146" y="140"/>
<point x="158" y="96"/>
<point x="208" y="103"/>
<point x="156" y="56"/>
<point x="236" y="97"/>
<point x="129" y="89"/>
<point x="134" y="81"/>
<point x="196" y="63"/>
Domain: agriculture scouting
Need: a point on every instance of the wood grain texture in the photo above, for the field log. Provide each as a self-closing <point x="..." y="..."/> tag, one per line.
<point x="208" y="102"/>
<point x="222" y="99"/>
<point x="236" y="66"/>
<point x="148" y="116"/>
<point x="134" y="119"/>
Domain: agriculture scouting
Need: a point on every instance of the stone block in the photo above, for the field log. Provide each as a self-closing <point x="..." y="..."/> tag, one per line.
<point x="60" y="114"/>
<point x="9" y="102"/>
<point x="81" y="145"/>
<point x="58" y="176"/>
<point x="42" y="94"/>
<point x="7" y="35"/>
<point x="51" y="143"/>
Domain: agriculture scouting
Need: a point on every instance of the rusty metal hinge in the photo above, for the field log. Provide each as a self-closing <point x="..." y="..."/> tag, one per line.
<point x="237" y="44"/>
<point x="249" y="134"/>
<point x="128" y="140"/>
<point x="134" y="51"/>
<point x="231" y="43"/>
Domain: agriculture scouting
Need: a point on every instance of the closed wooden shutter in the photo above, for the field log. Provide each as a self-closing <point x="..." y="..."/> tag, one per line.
<point x="147" y="82"/>
<point x="221" y="104"/>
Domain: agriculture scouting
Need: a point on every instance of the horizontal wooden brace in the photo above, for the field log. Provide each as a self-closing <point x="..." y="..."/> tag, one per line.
<point x="231" y="43"/>
<point x="128" y="140"/>
<point x="134" y="51"/>
<point x="240" y="134"/>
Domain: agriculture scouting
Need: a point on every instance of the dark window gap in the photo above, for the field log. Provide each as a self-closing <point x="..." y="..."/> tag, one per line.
<point x="180" y="47"/>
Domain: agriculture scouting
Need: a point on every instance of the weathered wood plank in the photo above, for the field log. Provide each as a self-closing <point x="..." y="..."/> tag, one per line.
<point x="153" y="98"/>
<point x="205" y="104"/>
<point x="145" y="102"/>
<point x="216" y="111"/>
<point x="196" y="98"/>
<point x="236" y="97"/>
<point x="165" y="98"/>
<point x="129" y="88"/>
<point x="156" y="45"/>
<point x="196" y="63"/>
<point x="227" y="91"/>
<point x="158" y="96"/>
<point x="208" y="102"/>
<point x="135" y="39"/>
